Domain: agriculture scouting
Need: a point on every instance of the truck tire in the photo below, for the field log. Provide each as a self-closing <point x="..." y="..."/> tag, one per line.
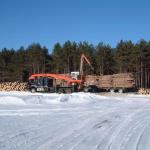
<point x="120" y="90"/>
<point x="33" y="90"/>
<point x="60" y="91"/>
<point x="68" y="91"/>
<point x="112" y="90"/>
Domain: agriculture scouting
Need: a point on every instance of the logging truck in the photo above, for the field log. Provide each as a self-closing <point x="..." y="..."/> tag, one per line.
<point x="77" y="81"/>
<point x="66" y="84"/>
<point x="49" y="82"/>
<point x="53" y="83"/>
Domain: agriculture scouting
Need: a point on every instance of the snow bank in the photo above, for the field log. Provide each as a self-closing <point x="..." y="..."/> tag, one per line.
<point x="28" y="98"/>
<point x="11" y="100"/>
<point x="22" y="98"/>
<point x="74" y="98"/>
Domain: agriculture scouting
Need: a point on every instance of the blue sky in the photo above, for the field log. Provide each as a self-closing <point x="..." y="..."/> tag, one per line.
<point x="23" y="22"/>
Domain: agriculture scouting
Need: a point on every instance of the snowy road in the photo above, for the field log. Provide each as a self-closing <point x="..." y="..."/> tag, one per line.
<point x="74" y="122"/>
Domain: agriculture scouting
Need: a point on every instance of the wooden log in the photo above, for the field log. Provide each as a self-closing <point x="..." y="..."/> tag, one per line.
<point x="13" y="86"/>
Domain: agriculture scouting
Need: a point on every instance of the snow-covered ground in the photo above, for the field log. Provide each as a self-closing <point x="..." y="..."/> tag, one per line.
<point x="79" y="121"/>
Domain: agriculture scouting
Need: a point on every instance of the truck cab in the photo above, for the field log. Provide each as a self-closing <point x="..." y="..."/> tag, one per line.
<point x="41" y="84"/>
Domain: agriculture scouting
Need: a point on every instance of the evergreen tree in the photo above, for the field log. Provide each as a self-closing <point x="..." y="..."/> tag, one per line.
<point x="104" y="59"/>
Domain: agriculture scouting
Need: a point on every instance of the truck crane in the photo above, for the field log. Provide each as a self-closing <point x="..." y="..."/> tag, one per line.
<point x="48" y="82"/>
<point x="82" y="61"/>
<point x="80" y="74"/>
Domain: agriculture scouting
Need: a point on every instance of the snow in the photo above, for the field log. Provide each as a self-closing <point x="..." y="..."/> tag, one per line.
<point x="77" y="121"/>
<point x="11" y="100"/>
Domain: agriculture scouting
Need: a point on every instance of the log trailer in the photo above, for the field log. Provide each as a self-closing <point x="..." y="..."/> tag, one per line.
<point x="121" y="82"/>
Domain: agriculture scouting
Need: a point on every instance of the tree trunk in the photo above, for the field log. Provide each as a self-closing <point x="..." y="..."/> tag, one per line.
<point x="141" y="74"/>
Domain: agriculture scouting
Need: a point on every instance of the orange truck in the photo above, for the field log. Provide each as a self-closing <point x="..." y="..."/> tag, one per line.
<point x="47" y="82"/>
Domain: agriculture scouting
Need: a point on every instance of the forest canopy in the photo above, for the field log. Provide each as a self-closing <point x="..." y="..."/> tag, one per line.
<point x="18" y="64"/>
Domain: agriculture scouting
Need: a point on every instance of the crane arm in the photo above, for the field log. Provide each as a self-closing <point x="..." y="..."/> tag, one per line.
<point x="84" y="58"/>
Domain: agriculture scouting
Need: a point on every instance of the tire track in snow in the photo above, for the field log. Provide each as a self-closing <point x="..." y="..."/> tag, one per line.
<point x="84" y="134"/>
<point x="135" y="132"/>
<point x="124" y="132"/>
<point x="108" y="127"/>
<point x="38" y="129"/>
<point x="71" y="123"/>
<point x="13" y="136"/>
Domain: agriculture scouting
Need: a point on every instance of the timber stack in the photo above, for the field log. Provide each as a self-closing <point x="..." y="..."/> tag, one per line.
<point x="125" y="80"/>
<point x="105" y="81"/>
<point x="91" y="80"/>
<point x="13" y="86"/>
<point x="144" y="91"/>
<point x="121" y="80"/>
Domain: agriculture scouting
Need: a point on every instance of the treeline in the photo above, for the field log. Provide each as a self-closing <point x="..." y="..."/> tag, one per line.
<point x="17" y="65"/>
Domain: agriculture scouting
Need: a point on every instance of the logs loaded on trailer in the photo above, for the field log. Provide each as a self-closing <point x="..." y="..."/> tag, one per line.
<point x="13" y="86"/>
<point x="115" y="81"/>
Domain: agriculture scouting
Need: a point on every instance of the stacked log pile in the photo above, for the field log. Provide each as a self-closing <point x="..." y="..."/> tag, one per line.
<point x="125" y="80"/>
<point x="91" y="80"/>
<point x="144" y="91"/>
<point x="13" y="86"/>
<point x="105" y="81"/>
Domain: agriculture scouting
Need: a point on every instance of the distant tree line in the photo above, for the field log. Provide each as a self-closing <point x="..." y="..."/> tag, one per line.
<point x="17" y="65"/>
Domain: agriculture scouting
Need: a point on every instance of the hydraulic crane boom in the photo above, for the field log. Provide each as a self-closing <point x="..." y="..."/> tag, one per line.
<point x="84" y="59"/>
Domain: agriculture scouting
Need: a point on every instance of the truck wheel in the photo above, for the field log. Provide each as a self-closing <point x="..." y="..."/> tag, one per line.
<point x="60" y="91"/>
<point x="112" y="90"/>
<point x="120" y="90"/>
<point x="33" y="90"/>
<point x="68" y="91"/>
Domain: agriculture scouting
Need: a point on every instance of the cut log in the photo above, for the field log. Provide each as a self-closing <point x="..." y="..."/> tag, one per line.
<point x="13" y="86"/>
